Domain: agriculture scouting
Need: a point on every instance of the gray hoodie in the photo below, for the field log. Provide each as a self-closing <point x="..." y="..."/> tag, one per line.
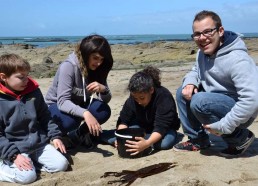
<point x="229" y="71"/>
<point x="68" y="89"/>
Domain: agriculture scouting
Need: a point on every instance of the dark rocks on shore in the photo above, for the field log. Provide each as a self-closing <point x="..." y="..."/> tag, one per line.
<point x="46" y="40"/>
<point x="45" y="61"/>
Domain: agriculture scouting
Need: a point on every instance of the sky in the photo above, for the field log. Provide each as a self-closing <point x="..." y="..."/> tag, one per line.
<point x="118" y="17"/>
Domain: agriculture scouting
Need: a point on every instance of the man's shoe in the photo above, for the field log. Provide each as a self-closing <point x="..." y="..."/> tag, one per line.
<point x="238" y="150"/>
<point x="189" y="146"/>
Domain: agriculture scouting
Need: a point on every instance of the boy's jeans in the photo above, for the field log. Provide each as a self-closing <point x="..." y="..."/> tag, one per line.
<point x="46" y="158"/>
<point x="207" y="108"/>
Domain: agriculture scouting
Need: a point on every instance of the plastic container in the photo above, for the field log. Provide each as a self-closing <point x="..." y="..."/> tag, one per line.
<point x="127" y="134"/>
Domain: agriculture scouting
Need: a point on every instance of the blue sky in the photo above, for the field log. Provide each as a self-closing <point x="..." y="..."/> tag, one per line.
<point x="118" y="17"/>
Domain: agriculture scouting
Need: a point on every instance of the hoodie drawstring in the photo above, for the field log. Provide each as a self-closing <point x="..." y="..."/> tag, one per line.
<point x="84" y="92"/>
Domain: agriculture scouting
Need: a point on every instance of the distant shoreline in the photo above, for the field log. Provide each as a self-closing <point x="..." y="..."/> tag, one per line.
<point x="46" y="41"/>
<point x="45" y="60"/>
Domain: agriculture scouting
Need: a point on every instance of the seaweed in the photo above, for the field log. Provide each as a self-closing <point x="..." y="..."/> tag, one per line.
<point x="128" y="177"/>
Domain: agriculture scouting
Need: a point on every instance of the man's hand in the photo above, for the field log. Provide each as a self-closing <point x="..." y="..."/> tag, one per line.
<point x="188" y="91"/>
<point x="208" y="128"/>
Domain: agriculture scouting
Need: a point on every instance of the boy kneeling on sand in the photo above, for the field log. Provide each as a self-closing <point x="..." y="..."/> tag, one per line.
<point x="25" y="126"/>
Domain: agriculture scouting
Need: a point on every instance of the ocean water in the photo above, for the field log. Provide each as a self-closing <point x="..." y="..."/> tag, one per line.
<point x="45" y="41"/>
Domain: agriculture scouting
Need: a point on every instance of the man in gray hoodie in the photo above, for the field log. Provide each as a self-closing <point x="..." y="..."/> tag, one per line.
<point x="220" y="94"/>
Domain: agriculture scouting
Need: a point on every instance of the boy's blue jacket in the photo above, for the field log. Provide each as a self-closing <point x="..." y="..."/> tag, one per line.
<point x="25" y="122"/>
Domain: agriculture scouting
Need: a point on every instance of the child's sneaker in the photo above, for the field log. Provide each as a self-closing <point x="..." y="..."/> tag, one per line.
<point x="189" y="146"/>
<point x="238" y="150"/>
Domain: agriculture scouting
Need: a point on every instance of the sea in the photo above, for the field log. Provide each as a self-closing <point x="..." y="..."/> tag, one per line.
<point x="45" y="41"/>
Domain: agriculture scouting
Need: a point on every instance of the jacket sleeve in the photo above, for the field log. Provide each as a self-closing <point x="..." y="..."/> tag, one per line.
<point x="166" y="116"/>
<point x="7" y="149"/>
<point x="64" y="91"/>
<point x="244" y="75"/>
<point x="105" y="96"/>
<point x="192" y="77"/>
<point x="45" y="120"/>
<point x="127" y="114"/>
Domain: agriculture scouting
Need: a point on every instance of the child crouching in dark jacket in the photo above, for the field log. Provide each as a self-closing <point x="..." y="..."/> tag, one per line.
<point x="151" y="107"/>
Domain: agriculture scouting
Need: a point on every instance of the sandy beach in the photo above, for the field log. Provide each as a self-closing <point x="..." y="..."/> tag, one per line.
<point x="191" y="168"/>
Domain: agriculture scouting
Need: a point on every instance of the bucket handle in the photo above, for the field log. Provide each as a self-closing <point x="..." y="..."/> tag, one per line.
<point x="123" y="136"/>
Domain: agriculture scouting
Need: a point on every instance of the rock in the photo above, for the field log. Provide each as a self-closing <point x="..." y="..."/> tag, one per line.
<point x="192" y="52"/>
<point x="47" y="60"/>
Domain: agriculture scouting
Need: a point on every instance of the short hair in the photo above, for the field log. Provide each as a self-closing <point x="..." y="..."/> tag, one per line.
<point x="11" y="63"/>
<point x="205" y="13"/>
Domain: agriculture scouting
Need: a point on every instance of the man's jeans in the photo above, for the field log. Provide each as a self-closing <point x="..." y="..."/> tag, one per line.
<point x="207" y="108"/>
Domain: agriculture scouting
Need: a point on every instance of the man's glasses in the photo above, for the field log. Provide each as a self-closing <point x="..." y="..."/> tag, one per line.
<point x="206" y="33"/>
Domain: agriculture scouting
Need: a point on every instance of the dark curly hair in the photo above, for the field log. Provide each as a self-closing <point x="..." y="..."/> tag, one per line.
<point x="144" y="80"/>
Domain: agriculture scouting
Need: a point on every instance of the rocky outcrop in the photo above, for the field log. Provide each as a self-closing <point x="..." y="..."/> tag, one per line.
<point x="45" y="61"/>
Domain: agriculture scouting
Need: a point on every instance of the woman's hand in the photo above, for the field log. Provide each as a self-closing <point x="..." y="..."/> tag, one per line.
<point x="137" y="146"/>
<point x="92" y="123"/>
<point x="58" y="144"/>
<point x="96" y="87"/>
<point x="23" y="162"/>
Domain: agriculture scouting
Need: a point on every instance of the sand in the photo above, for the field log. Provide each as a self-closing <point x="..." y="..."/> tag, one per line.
<point x="192" y="168"/>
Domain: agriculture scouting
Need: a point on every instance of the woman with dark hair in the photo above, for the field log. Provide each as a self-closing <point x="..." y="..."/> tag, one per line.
<point x="78" y="78"/>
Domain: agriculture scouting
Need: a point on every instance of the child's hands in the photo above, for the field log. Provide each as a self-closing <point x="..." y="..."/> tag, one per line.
<point x="121" y="126"/>
<point x="136" y="146"/>
<point x="58" y="144"/>
<point x="23" y="163"/>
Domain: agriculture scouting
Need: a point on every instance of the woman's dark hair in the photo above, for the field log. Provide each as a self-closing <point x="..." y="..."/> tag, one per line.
<point x="144" y="80"/>
<point x="95" y="44"/>
<point x="205" y="13"/>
